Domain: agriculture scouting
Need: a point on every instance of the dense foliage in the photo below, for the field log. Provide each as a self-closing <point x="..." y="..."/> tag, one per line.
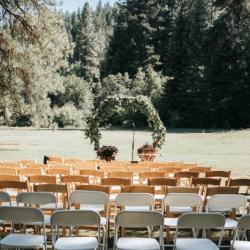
<point x="190" y="58"/>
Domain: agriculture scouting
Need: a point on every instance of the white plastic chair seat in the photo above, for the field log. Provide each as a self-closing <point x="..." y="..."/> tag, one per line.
<point x="137" y="208"/>
<point x="52" y="206"/>
<point x="170" y="222"/>
<point x="76" y="243"/>
<point x="230" y="224"/>
<point x="138" y="244"/>
<point x="241" y="245"/>
<point x="22" y="241"/>
<point x="159" y="197"/>
<point x="96" y="208"/>
<point x="180" y="209"/>
<point x="195" y="244"/>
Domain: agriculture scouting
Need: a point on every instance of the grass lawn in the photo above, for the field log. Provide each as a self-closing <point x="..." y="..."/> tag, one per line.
<point x="221" y="150"/>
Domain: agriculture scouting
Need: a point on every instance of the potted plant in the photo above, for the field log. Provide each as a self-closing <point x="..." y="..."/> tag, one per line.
<point x="147" y="152"/>
<point x="107" y="153"/>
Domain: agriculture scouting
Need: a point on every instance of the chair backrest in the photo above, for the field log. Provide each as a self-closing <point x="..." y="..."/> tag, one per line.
<point x="10" y="165"/>
<point x="120" y="174"/>
<point x="72" y="161"/>
<point x="162" y="181"/>
<point x="240" y="183"/>
<point x="55" y="158"/>
<point x="200" y="169"/>
<point x="150" y="174"/>
<point x="25" y="163"/>
<point x="205" y="181"/>
<point x="5" y="197"/>
<point x="36" y="198"/>
<point x="58" y="171"/>
<point x="92" y="172"/>
<point x="10" y="171"/>
<point x="186" y="174"/>
<point x="184" y="177"/>
<point x="138" y="189"/>
<point x="100" y="188"/>
<point x="29" y="171"/>
<point x="39" y="179"/>
<point x="88" y="198"/>
<point x="24" y="215"/>
<point x="222" y="190"/>
<point x="244" y="223"/>
<point x="139" y="219"/>
<point x="135" y="200"/>
<point x="221" y="201"/>
<point x="183" y="200"/>
<point x="194" y="190"/>
<point x="201" y="220"/>
<point x="20" y="185"/>
<point x="75" y="179"/>
<point x="219" y="173"/>
<point x="9" y="177"/>
<point x="116" y="181"/>
<point x="75" y="218"/>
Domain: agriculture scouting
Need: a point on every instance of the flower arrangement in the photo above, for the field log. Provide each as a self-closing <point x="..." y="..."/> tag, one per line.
<point x="107" y="153"/>
<point x="147" y="152"/>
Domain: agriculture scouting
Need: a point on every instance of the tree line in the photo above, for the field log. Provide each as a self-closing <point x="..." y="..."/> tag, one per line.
<point x="190" y="57"/>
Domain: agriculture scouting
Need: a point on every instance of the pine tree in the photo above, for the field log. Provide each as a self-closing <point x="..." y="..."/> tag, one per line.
<point x="132" y="45"/>
<point x="227" y="67"/>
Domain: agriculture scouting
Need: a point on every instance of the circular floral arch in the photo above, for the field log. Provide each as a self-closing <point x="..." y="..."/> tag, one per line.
<point x="138" y="103"/>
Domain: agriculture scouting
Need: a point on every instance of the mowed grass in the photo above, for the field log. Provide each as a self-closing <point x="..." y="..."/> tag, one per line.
<point x="222" y="150"/>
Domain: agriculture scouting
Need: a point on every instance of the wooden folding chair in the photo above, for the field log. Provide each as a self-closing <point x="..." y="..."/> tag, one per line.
<point x="55" y="158"/>
<point x="201" y="170"/>
<point x="184" y="177"/>
<point x="161" y="183"/>
<point x="95" y="176"/>
<point x="115" y="183"/>
<point x="74" y="180"/>
<point x="241" y="183"/>
<point x="40" y="179"/>
<point x="204" y="182"/>
<point x="25" y="163"/>
<point x="170" y="171"/>
<point x="219" y="174"/>
<point x="25" y="172"/>
<point x="193" y="190"/>
<point x="9" y="177"/>
<point x="10" y="165"/>
<point x="58" y="171"/>
<point x="144" y="176"/>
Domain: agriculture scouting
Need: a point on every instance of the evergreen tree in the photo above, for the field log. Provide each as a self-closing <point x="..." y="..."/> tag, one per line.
<point x="184" y="99"/>
<point x="132" y="45"/>
<point x="227" y="67"/>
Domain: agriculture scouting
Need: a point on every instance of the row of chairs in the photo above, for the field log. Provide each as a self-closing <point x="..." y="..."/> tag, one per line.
<point x="128" y="202"/>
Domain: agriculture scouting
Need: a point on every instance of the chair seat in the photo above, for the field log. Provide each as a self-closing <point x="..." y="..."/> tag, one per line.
<point x="195" y="244"/>
<point x="137" y="208"/>
<point x="23" y="241"/>
<point x="76" y="243"/>
<point x="96" y="208"/>
<point x="138" y="244"/>
<point x="180" y="209"/>
<point x="52" y="206"/>
<point x="170" y="222"/>
<point x="241" y="245"/>
<point x="230" y="224"/>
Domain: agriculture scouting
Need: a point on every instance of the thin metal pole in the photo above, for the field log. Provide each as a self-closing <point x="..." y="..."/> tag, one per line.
<point x="133" y="142"/>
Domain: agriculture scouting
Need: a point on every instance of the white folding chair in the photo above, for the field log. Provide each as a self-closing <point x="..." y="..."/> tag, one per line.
<point x="134" y="202"/>
<point x="180" y="203"/>
<point x="224" y="203"/>
<point x="138" y="219"/>
<point x="243" y="226"/>
<point x="39" y="199"/>
<point x="76" y="218"/>
<point x="24" y="216"/>
<point x="198" y="221"/>
<point x="95" y="201"/>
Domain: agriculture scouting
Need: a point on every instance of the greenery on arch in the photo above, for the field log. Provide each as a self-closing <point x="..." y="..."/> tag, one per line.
<point x="138" y="103"/>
